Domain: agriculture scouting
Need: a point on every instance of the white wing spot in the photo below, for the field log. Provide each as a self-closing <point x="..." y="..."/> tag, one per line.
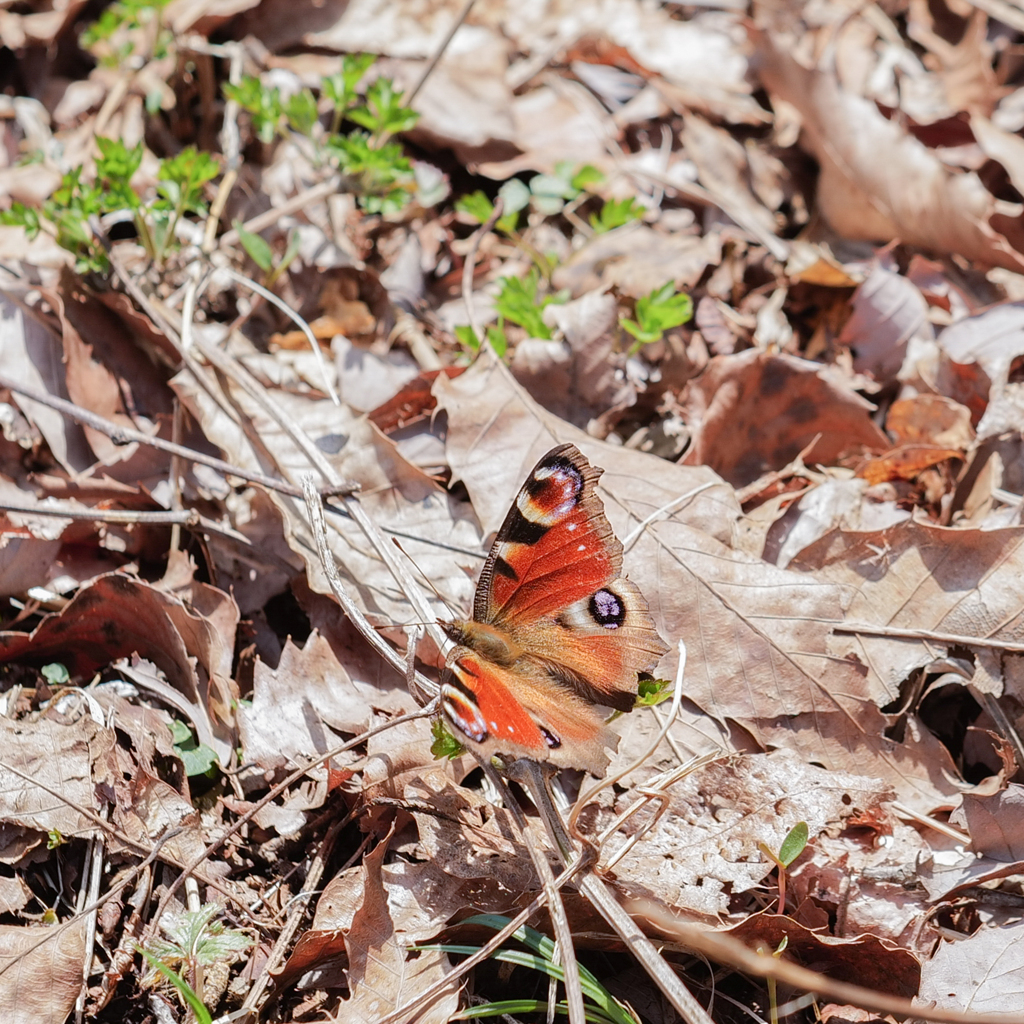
<point x="510" y="730"/>
<point x="571" y="526"/>
<point x="582" y="547"/>
<point x="494" y="726"/>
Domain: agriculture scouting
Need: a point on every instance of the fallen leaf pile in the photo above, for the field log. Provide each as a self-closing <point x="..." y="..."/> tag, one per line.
<point x="763" y="265"/>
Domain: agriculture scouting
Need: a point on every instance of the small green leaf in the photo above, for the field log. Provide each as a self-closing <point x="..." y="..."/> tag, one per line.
<point x="794" y="844"/>
<point x="55" y="674"/>
<point x="445" y="744"/>
<point x="467" y="337"/>
<point x="257" y="248"/>
<point x="586" y="177"/>
<point x="615" y="213"/>
<point x="651" y="692"/>
<point x="301" y="111"/>
<point x="658" y="312"/>
<point x="477" y="206"/>
<point x="54" y="838"/>
<point x="518" y="301"/>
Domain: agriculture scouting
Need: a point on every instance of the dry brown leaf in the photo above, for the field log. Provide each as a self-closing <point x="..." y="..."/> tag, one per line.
<point x="116" y="616"/>
<point x="863" y="883"/>
<point x="636" y="259"/>
<point x="909" y="195"/>
<point x="888" y="311"/>
<point x="867" y="961"/>
<point x="31" y="354"/>
<point x="753" y="412"/>
<point x="395" y="495"/>
<point x="919" y="576"/>
<point x="930" y="419"/>
<point x="905" y="462"/>
<point x="300" y="707"/>
<point x="59" y="756"/>
<point x="41" y="971"/>
<point x="383" y="974"/>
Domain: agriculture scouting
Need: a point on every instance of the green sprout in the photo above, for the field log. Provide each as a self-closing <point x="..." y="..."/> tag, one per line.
<point x="656" y="313"/>
<point x="601" y="1006"/>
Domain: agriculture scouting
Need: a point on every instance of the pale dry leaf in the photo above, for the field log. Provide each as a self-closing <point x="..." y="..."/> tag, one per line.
<point x="707" y="846"/>
<point x="909" y="195"/>
<point x="994" y="823"/>
<point x="918" y="576"/>
<point x="581" y="377"/>
<point x="41" y="971"/>
<point x="14" y="894"/>
<point x="59" y="757"/>
<point x="831" y="505"/>
<point x="301" y="707"/>
<point x="397" y="496"/>
<point x="559" y="121"/>
<point x="636" y="259"/>
<point x="864" y="886"/>
<point x="31" y="354"/>
<point x="983" y="972"/>
<point x="992" y="339"/>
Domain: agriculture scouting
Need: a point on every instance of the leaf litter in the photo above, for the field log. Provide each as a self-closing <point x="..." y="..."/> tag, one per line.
<point x="815" y="475"/>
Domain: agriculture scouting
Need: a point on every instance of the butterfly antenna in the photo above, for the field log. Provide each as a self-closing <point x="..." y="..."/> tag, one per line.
<point x="437" y="593"/>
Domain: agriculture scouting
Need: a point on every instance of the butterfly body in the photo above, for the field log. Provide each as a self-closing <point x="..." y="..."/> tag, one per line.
<point x="556" y="630"/>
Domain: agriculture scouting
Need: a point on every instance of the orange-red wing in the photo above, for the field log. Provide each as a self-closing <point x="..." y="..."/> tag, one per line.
<point x="555" y="546"/>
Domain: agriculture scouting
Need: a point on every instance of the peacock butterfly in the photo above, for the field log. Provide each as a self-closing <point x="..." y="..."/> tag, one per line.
<point x="556" y="630"/>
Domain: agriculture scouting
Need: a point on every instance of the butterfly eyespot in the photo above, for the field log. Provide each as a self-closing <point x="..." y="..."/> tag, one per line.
<point x="463" y="714"/>
<point x="550" y="738"/>
<point x="606" y="609"/>
<point x="551" y="493"/>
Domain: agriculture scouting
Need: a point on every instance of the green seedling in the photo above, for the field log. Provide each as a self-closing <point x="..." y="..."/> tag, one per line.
<point x="197" y="758"/>
<point x="518" y="302"/>
<point x="380" y="175"/>
<point x="65" y="215"/>
<point x="194" y="940"/>
<point x="652" y="692"/>
<point x="792" y="846"/>
<point x="656" y="313"/>
<point x="444" y="743"/>
<point x="615" y="213"/>
<point x="383" y="114"/>
<point x="55" y="674"/>
<point x="104" y="36"/>
<point x="495" y="336"/>
<point x="263" y="256"/>
<point x="601" y="1006"/>
<point x="261" y="102"/>
<point x="340" y="88"/>
<point x="376" y="170"/>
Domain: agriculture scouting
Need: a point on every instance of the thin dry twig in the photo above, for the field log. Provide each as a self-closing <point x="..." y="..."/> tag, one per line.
<point x="727" y="950"/>
<point x="928" y="634"/>
<point x="439" y="53"/>
<point x="470" y="266"/>
<point x="124" y="435"/>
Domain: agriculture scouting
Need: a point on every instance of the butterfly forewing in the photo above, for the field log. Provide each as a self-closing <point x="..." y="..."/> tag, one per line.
<point x="555" y="547"/>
